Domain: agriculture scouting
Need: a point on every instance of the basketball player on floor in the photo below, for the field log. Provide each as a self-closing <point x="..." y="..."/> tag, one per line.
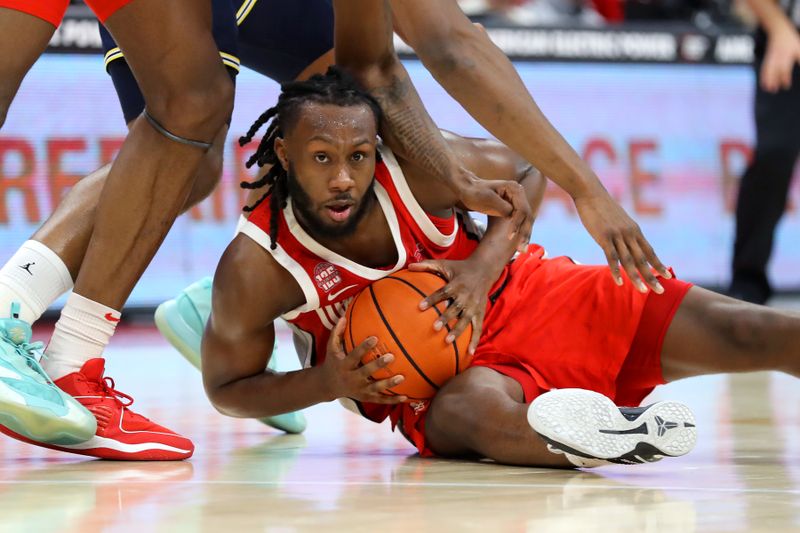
<point x="59" y="247"/>
<point x="341" y="201"/>
<point x="281" y="40"/>
<point x="188" y="96"/>
<point x="478" y="75"/>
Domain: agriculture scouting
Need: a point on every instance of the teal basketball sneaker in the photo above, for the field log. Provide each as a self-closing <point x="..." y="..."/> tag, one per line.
<point x="30" y="403"/>
<point x="182" y="321"/>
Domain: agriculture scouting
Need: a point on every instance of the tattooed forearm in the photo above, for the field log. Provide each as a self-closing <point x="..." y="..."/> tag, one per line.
<point x="412" y="129"/>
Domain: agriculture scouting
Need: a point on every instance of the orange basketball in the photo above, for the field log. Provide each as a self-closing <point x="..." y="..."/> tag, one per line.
<point x="389" y="310"/>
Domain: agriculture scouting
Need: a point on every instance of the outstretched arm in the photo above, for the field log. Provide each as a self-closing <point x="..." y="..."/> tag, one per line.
<point x="363" y="44"/>
<point x="480" y="77"/>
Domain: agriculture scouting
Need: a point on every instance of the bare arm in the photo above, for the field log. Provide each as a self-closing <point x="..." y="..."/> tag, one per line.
<point x="783" y="46"/>
<point x="363" y="44"/>
<point x="480" y="77"/>
<point x="250" y="292"/>
<point x="240" y="336"/>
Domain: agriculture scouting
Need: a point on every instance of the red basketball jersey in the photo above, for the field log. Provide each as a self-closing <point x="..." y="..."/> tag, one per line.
<point x="330" y="281"/>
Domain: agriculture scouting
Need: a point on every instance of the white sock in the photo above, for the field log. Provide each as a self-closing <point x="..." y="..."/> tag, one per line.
<point x="35" y="277"/>
<point x="82" y="333"/>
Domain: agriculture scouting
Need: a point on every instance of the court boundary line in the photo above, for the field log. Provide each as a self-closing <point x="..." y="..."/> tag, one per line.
<point x="412" y="484"/>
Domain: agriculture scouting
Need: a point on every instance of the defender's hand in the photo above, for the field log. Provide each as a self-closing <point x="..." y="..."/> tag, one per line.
<point x="467" y="290"/>
<point x="622" y="241"/>
<point x="499" y="198"/>
<point x="345" y="377"/>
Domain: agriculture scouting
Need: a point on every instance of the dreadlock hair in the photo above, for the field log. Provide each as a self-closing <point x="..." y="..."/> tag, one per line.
<point x="334" y="87"/>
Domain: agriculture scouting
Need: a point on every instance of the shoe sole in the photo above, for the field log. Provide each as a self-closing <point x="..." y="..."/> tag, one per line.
<point x="39" y="424"/>
<point x="94" y="448"/>
<point x="293" y="423"/>
<point x="588" y="424"/>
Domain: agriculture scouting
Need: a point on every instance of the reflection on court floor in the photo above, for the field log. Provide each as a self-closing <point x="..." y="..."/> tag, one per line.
<point x="348" y="474"/>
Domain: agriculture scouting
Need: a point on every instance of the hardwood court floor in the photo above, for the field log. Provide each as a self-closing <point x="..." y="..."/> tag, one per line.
<point x="347" y="474"/>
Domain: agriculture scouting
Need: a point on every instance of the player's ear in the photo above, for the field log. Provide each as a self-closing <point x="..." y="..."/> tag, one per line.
<point x="280" y="151"/>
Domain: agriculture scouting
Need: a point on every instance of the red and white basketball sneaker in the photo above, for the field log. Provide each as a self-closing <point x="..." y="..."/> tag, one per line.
<point x="121" y="435"/>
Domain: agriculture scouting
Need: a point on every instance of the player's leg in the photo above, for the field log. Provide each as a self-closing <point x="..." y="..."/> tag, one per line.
<point x="708" y="334"/>
<point x="482" y="413"/>
<point x="29" y="402"/>
<point x="284" y="41"/>
<point x="713" y="334"/>
<point x="25" y="30"/>
<point x="169" y="47"/>
<point x="65" y="234"/>
<point x="577" y="351"/>
<point x="189" y="98"/>
<point x="764" y="188"/>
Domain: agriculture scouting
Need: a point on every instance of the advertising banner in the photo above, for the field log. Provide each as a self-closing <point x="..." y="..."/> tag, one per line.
<point x="668" y="141"/>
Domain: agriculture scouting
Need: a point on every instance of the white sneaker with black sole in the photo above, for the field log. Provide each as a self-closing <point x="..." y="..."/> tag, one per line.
<point x="591" y="431"/>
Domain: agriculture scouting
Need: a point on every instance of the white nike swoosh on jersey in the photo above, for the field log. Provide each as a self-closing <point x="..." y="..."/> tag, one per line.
<point x="334" y="295"/>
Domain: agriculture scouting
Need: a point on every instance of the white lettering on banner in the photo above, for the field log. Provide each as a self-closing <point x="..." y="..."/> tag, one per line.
<point x="589" y="45"/>
<point x="615" y="45"/>
<point x="77" y="33"/>
<point x="734" y="49"/>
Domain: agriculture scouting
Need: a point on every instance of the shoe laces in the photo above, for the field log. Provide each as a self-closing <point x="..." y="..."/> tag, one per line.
<point x="107" y="390"/>
<point x="31" y="352"/>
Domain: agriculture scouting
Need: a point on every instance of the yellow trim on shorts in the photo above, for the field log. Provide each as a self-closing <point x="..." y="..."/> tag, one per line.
<point x="244" y="10"/>
<point x="111" y="55"/>
<point x="229" y="60"/>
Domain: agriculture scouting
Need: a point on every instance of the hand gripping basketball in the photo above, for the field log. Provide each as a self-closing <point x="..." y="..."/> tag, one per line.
<point x="466" y="294"/>
<point x="388" y="309"/>
<point x="345" y="377"/>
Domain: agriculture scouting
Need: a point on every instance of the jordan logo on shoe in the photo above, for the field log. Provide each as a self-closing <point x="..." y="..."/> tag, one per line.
<point x="27" y="268"/>
<point x="663" y="426"/>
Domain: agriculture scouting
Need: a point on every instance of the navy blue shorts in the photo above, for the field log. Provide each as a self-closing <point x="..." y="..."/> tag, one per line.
<point x="276" y="38"/>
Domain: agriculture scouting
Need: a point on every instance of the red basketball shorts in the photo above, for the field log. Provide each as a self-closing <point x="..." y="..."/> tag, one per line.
<point x="556" y="324"/>
<point x="52" y="11"/>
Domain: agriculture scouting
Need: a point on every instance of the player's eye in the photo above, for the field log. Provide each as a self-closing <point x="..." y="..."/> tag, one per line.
<point x="359" y="156"/>
<point x="321" y="157"/>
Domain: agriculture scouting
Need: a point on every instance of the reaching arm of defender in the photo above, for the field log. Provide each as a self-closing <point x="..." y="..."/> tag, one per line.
<point x="240" y="337"/>
<point x="363" y="44"/>
<point x="480" y="77"/>
<point x="470" y="280"/>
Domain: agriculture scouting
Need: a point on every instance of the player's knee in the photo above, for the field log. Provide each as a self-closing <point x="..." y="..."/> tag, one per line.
<point x="454" y="419"/>
<point x="446" y="424"/>
<point x="207" y="177"/>
<point x="445" y="412"/>
<point x="196" y="111"/>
